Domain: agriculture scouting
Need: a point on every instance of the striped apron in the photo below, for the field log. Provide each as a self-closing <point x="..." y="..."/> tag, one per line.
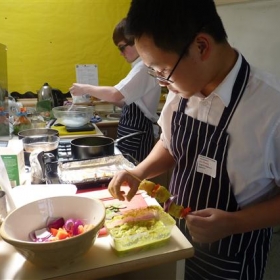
<point x="239" y="256"/>
<point x="133" y="120"/>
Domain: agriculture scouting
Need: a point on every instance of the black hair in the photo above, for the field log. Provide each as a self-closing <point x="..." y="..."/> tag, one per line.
<point x="119" y="34"/>
<point x="173" y="24"/>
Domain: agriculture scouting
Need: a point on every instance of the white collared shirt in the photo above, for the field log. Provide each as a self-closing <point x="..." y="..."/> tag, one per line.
<point x="253" y="161"/>
<point x="142" y="89"/>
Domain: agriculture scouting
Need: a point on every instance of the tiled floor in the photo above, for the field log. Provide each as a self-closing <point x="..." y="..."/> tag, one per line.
<point x="273" y="266"/>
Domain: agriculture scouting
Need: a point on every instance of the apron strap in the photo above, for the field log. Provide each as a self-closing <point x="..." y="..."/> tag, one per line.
<point x="237" y="92"/>
<point x="182" y="105"/>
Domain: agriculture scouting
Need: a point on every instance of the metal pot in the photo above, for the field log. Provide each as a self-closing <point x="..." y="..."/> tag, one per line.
<point x="94" y="146"/>
<point x="37" y="132"/>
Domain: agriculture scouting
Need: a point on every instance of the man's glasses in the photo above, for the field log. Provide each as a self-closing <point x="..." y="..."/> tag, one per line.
<point x="122" y="47"/>
<point x="167" y="80"/>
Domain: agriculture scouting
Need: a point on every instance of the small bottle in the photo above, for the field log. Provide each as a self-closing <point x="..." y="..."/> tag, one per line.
<point x="22" y="122"/>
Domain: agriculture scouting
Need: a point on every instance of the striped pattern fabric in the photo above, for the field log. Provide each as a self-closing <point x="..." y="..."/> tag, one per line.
<point x="240" y="256"/>
<point x="134" y="120"/>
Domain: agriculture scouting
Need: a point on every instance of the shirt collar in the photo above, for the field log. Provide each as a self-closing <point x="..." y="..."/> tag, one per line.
<point x="224" y="90"/>
<point x="135" y="61"/>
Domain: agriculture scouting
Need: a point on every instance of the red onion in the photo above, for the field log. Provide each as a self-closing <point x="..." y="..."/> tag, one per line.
<point x="69" y="224"/>
<point x="40" y="235"/>
<point x="168" y="203"/>
<point x="32" y="236"/>
<point x="76" y="226"/>
<point x="44" y="234"/>
<point x="55" y="223"/>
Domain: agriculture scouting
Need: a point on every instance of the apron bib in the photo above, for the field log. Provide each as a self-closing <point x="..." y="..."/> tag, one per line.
<point x="201" y="181"/>
<point x="134" y="120"/>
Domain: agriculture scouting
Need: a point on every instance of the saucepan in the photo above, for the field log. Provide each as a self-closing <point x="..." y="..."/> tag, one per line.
<point x="95" y="146"/>
<point x="37" y="132"/>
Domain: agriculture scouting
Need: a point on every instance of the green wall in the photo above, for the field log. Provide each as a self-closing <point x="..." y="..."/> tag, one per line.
<point x="47" y="38"/>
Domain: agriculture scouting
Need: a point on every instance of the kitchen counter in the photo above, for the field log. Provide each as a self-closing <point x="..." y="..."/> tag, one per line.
<point x="107" y="122"/>
<point x="166" y="262"/>
<point x="70" y="135"/>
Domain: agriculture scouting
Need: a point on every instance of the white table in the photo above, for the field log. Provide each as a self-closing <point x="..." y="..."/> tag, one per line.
<point x="166" y="262"/>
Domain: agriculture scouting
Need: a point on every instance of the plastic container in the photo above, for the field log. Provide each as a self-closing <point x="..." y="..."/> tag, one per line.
<point x="22" y="122"/>
<point x="4" y="123"/>
<point x="139" y="229"/>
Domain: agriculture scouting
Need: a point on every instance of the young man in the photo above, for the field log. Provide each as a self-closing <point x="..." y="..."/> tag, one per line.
<point x="138" y="94"/>
<point x="220" y="130"/>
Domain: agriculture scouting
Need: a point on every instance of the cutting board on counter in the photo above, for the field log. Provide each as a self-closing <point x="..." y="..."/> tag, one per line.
<point x="64" y="132"/>
<point x="137" y="201"/>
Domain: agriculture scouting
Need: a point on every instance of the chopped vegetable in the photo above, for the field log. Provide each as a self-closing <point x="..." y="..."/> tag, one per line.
<point x="77" y="224"/>
<point x="55" y="222"/>
<point x="62" y="233"/>
<point x="69" y="224"/>
<point x="162" y="195"/>
<point x="54" y="231"/>
<point x="168" y="203"/>
<point x="147" y="217"/>
<point x="42" y="234"/>
<point x="58" y="229"/>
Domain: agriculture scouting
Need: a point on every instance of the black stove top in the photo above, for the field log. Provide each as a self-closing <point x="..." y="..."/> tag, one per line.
<point x="64" y="151"/>
<point x="64" y="155"/>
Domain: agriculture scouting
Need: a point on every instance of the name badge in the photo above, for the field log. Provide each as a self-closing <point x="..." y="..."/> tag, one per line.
<point x="207" y="166"/>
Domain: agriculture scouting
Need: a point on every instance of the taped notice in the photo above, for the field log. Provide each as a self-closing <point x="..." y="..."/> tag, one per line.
<point x="87" y="74"/>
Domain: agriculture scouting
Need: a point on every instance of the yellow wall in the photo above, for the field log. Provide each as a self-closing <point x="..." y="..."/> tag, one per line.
<point x="47" y="38"/>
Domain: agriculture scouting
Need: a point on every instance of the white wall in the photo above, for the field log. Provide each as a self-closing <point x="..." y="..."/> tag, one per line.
<point x="254" y="29"/>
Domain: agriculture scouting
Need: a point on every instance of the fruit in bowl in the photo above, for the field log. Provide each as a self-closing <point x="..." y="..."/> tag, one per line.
<point x="21" y="222"/>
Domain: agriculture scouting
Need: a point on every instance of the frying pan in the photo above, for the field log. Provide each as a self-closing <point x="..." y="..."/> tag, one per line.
<point x="95" y="146"/>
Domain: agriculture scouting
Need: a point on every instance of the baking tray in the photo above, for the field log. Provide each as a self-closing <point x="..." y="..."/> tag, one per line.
<point x="90" y="173"/>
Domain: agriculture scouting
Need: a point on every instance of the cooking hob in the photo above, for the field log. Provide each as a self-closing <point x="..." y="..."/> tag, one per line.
<point x="64" y="151"/>
<point x="64" y="155"/>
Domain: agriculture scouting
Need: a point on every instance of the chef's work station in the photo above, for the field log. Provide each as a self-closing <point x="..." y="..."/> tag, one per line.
<point x="101" y="261"/>
<point x="87" y="173"/>
<point x="79" y="152"/>
<point x="70" y="157"/>
<point x="217" y="133"/>
<point x="137" y="94"/>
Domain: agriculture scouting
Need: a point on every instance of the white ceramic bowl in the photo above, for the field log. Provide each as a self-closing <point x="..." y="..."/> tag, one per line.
<point x="27" y="218"/>
<point x="28" y="193"/>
